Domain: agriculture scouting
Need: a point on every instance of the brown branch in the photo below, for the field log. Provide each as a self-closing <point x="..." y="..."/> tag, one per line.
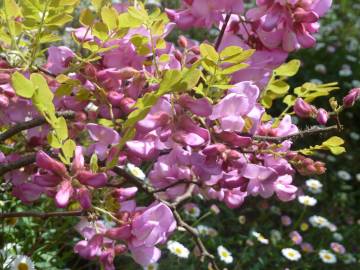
<point x="7" y="167"/>
<point x="181" y="182"/>
<point x="199" y="243"/>
<point x="222" y="31"/>
<point x="31" y="124"/>
<point x="43" y="214"/>
<point x="300" y="134"/>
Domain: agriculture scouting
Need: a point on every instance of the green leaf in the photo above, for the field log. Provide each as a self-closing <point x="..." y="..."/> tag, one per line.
<point x="334" y="145"/>
<point x="109" y="16"/>
<point x="209" y="52"/>
<point x="40" y="83"/>
<point x="61" y="129"/>
<point x="238" y="57"/>
<point x="127" y="21"/>
<point x="94" y="163"/>
<point x="68" y="149"/>
<point x="288" y="69"/>
<point x="233" y="69"/>
<point x="11" y="9"/>
<point x="87" y="18"/>
<point x="289" y="100"/>
<point x="58" y="20"/>
<point x="23" y="87"/>
<point x="100" y="30"/>
<point x="279" y="87"/>
<point x="53" y="140"/>
<point x="164" y="58"/>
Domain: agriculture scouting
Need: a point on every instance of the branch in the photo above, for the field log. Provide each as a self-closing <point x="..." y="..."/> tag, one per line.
<point x="31" y="124"/>
<point x="300" y="134"/>
<point x="181" y="182"/>
<point x="7" y="167"/>
<point x="195" y="235"/>
<point x="222" y="31"/>
<point x="43" y="215"/>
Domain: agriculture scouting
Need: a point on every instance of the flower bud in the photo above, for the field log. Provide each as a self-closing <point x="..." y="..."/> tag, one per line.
<point x="351" y="98"/>
<point x="182" y="41"/>
<point x="303" y="109"/>
<point x="4" y="78"/>
<point x="44" y="161"/>
<point x="322" y="116"/>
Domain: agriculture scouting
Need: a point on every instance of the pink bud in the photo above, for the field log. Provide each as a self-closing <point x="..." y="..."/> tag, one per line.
<point x="84" y="198"/>
<point x="78" y="161"/>
<point x="303" y="109"/>
<point x="182" y="41"/>
<point x="123" y="194"/>
<point x="64" y="194"/>
<point x="351" y="98"/>
<point x="45" y="162"/>
<point x="322" y="116"/>
<point x="126" y="105"/>
<point x="92" y="179"/>
<point x="4" y="78"/>
<point x="115" y="97"/>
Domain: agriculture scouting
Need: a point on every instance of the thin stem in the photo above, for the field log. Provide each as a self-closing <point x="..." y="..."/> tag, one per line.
<point x="43" y="214"/>
<point x="222" y="31"/>
<point x="31" y="124"/>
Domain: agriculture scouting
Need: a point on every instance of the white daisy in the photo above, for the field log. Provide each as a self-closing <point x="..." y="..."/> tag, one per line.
<point x="319" y="222"/>
<point x="291" y="254"/>
<point x="203" y="229"/>
<point x="327" y="257"/>
<point x="225" y="255"/>
<point x="307" y="200"/>
<point x="178" y="249"/>
<point x="260" y="238"/>
<point x="344" y="175"/>
<point x="22" y="262"/>
<point x="314" y="186"/>
<point x="152" y="266"/>
<point x="136" y="171"/>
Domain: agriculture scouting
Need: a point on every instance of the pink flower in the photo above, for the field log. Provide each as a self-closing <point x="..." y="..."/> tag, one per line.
<point x="286" y="220"/>
<point x="59" y="59"/>
<point x="338" y="248"/>
<point x="103" y="137"/>
<point x="203" y="13"/>
<point x="287" y="24"/>
<point x="172" y="168"/>
<point x="238" y="103"/>
<point x="151" y="227"/>
<point x="296" y="237"/>
<point x="351" y="98"/>
<point x="304" y="109"/>
<point x="322" y="116"/>
<point x="45" y="162"/>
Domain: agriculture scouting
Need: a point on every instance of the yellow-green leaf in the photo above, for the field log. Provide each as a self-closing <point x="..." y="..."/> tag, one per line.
<point x="23" y="87"/>
<point x="109" y="16"/>
<point x="209" y="52"/>
<point x="288" y="69"/>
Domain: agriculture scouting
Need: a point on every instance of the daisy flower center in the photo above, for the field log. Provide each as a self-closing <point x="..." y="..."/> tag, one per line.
<point x="23" y="266"/>
<point x="224" y="254"/>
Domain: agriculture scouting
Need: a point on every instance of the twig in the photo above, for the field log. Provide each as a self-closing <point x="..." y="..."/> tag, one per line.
<point x="300" y="134"/>
<point x="195" y="235"/>
<point x="222" y="31"/>
<point x="181" y="182"/>
<point x="43" y="214"/>
<point x="27" y="160"/>
<point x="31" y="124"/>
